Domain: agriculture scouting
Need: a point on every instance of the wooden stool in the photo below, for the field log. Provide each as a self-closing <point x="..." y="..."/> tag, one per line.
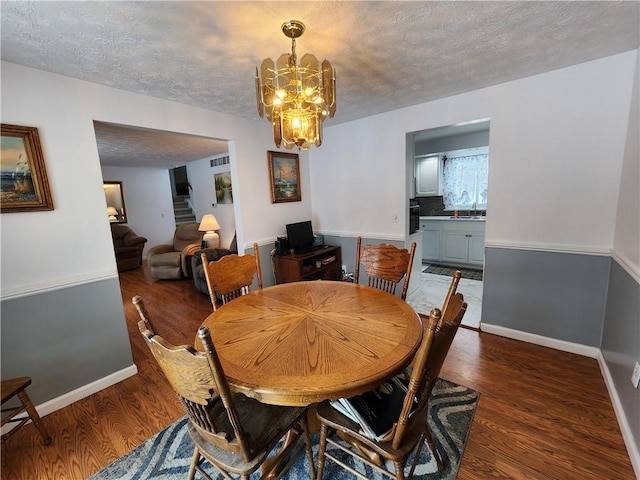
<point x="17" y="386"/>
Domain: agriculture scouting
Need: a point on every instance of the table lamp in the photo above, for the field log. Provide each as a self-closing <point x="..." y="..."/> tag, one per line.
<point x="209" y="224"/>
<point x="113" y="214"/>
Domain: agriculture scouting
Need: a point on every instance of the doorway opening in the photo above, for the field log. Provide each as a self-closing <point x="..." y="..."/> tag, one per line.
<point x="180" y="182"/>
<point x="445" y="164"/>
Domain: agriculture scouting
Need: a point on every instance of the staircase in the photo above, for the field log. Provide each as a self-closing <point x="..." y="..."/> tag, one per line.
<point x="182" y="211"/>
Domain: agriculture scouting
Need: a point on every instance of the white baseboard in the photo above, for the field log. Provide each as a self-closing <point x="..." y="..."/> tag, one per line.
<point x="584" y="350"/>
<point x="78" y="394"/>
<point x="632" y="448"/>
<point x="591" y="352"/>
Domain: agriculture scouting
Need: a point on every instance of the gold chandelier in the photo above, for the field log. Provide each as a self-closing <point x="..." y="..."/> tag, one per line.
<point x="296" y="98"/>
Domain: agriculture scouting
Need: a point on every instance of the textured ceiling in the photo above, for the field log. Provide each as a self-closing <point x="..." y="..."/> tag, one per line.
<point x="387" y="54"/>
<point x="125" y="146"/>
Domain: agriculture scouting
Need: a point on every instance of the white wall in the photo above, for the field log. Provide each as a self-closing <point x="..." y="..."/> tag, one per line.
<point x="63" y="110"/>
<point x="202" y="178"/>
<point x="147" y="196"/>
<point x="556" y="140"/>
<point x="627" y="233"/>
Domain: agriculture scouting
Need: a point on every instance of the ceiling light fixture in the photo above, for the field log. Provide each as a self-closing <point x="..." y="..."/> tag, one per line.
<point x="296" y="98"/>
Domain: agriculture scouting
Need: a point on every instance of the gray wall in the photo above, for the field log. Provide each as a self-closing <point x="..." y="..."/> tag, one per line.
<point x="621" y="341"/>
<point x="556" y="295"/>
<point x="347" y="252"/>
<point x="65" y="339"/>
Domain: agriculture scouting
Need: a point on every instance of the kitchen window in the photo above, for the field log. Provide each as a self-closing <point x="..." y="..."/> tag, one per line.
<point x="465" y="179"/>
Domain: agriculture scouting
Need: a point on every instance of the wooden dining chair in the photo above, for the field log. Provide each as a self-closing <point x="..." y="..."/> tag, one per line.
<point x="17" y="388"/>
<point x="231" y="276"/>
<point x="410" y="432"/>
<point x="233" y="432"/>
<point x="385" y="265"/>
<point x="453" y="287"/>
<point x="142" y="310"/>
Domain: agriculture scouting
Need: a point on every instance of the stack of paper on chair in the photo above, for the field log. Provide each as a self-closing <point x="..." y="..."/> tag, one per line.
<point x="377" y="410"/>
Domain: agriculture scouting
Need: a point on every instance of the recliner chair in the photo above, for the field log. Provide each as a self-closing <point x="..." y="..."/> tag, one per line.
<point x="173" y="261"/>
<point x="128" y="247"/>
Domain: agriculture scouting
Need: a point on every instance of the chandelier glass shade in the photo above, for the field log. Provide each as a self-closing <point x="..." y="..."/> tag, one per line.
<point x="296" y="98"/>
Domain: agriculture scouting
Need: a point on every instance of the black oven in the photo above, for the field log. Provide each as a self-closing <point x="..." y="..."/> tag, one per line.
<point x="414" y="216"/>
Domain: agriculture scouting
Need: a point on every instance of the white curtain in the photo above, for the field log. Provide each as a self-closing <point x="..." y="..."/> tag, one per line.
<point x="465" y="180"/>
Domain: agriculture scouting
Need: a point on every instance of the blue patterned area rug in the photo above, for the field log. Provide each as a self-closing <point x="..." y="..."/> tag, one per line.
<point x="167" y="455"/>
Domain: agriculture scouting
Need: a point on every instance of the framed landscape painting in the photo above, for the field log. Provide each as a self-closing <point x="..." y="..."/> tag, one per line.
<point x="23" y="178"/>
<point x="224" y="188"/>
<point x="284" y="172"/>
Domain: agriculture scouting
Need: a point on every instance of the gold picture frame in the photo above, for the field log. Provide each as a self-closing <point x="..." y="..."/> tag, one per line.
<point x="24" y="185"/>
<point x="284" y="173"/>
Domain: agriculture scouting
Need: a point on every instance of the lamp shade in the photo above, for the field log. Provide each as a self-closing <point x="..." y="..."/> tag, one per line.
<point x="209" y="224"/>
<point x="112" y="213"/>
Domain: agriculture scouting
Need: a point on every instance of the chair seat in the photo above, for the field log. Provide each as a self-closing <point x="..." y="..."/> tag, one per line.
<point x="169" y="259"/>
<point x="127" y="252"/>
<point x="234" y="433"/>
<point x="16" y="387"/>
<point x="410" y="431"/>
<point x="264" y="424"/>
<point x="330" y="416"/>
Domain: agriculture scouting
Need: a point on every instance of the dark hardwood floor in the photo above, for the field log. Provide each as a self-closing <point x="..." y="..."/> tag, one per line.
<point x="542" y="414"/>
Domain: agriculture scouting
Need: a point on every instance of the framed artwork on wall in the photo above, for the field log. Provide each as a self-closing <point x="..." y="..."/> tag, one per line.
<point x="224" y="188"/>
<point x="24" y="185"/>
<point x="114" y="194"/>
<point x="284" y="172"/>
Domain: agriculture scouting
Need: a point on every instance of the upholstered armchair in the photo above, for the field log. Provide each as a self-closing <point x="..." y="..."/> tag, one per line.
<point x="173" y="260"/>
<point x="128" y="247"/>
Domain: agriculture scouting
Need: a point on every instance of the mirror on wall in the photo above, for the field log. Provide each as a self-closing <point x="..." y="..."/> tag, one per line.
<point x="114" y="194"/>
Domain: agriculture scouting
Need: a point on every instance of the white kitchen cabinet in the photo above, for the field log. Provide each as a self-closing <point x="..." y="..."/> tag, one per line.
<point x="427" y="175"/>
<point x="453" y="241"/>
<point x="430" y="241"/>
<point x="463" y="243"/>
<point x="455" y="247"/>
<point x="476" y="249"/>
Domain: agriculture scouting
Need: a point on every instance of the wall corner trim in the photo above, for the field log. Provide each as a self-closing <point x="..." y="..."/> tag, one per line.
<point x="86" y="390"/>
<point x="625" y="428"/>
<point x="584" y="350"/>
<point x="627" y="265"/>
<point x="592" y="352"/>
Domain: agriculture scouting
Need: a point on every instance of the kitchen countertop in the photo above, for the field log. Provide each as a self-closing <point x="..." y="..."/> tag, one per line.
<point x="453" y="219"/>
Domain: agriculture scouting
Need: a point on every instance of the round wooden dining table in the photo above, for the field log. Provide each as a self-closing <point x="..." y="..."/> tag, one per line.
<point x="301" y="343"/>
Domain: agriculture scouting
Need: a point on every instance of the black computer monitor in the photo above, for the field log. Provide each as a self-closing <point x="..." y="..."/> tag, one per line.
<point x="300" y="236"/>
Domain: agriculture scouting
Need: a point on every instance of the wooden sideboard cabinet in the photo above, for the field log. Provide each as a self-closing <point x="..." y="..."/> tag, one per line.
<point x="322" y="264"/>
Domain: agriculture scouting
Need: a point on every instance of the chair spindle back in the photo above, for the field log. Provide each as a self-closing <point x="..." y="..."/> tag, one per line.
<point x="199" y="381"/>
<point x="231" y="276"/>
<point x="385" y="266"/>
